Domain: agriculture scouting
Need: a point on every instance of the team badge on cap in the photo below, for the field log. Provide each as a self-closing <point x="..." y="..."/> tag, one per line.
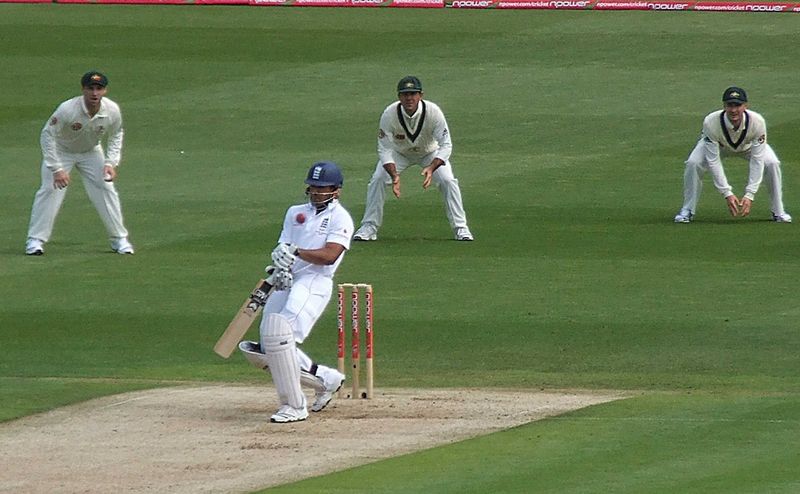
<point x="94" y="78"/>
<point x="409" y="84"/>
<point x="734" y="95"/>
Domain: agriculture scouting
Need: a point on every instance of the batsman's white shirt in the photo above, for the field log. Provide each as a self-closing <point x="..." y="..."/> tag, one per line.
<point x="313" y="284"/>
<point x="305" y="228"/>
<point x="413" y="136"/>
<point x="71" y="130"/>
<point x="749" y="141"/>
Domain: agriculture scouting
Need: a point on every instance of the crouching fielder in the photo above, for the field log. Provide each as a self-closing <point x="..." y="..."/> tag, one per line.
<point x="71" y="139"/>
<point x="311" y="246"/>
<point x="413" y="132"/>
<point x="733" y="131"/>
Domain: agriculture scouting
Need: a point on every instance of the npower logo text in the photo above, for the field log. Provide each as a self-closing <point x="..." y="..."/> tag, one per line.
<point x="472" y="3"/>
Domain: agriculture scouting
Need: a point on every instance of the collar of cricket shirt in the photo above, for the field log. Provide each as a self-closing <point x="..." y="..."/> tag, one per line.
<point x="727" y="127"/>
<point x="101" y="112"/>
<point x="401" y="115"/>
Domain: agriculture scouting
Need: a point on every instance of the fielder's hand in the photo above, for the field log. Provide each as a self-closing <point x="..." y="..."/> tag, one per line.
<point x="745" y="204"/>
<point x="109" y="173"/>
<point x="733" y="205"/>
<point x="428" y="174"/>
<point x="284" y="255"/>
<point x="396" y="186"/>
<point x="60" y="179"/>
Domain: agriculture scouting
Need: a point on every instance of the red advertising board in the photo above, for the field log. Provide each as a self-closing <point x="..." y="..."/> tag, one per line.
<point x="665" y="5"/>
<point x="641" y="5"/>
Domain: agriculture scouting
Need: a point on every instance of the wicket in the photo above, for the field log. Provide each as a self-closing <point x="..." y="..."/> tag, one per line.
<point x="355" y="354"/>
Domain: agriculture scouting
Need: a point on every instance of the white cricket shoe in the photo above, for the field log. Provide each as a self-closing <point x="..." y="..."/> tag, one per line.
<point x="366" y="233"/>
<point x="287" y="413"/>
<point x="684" y="216"/>
<point x="34" y="247"/>
<point x="782" y="218"/>
<point x="122" y="246"/>
<point x="464" y="234"/>
<point x="333" y="382"/>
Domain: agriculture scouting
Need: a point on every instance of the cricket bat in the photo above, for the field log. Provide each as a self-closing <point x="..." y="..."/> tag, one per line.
<point x="251" y="307"/>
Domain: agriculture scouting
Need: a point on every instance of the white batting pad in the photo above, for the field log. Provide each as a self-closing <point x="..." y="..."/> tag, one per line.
<point x="252" y="352"/>
<point x="279" y="350"/>
<point x="309" y="380"/>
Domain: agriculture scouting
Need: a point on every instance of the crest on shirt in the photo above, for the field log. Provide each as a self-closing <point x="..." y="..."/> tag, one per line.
<point x="323" y="226"/>
<point x="399" y="137"/>
<point x="77" y="126"/>
<point x="53" y="121"/>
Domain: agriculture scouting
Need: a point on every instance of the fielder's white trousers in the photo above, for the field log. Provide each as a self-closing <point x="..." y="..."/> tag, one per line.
<point x="47" y="201"/>
<point x="301" y="305"/>
<point x="443" y="178"/>
<point x="697" y="166"/>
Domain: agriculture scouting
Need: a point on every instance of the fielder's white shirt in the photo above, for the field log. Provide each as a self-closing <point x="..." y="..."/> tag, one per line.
<point x="413" y="136"/>
<point x="70" y="129"/>
<point x="305" y="228"/>
<point x="748" y="141"/>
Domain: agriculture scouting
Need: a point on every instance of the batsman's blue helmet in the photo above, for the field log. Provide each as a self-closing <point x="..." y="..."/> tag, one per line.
<point x="325" y="173"/>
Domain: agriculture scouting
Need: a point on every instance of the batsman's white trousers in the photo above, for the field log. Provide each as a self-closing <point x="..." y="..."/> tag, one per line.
<point x="301" y="305"/>
<point x="47" y="201"/>
<point x="697" y="166"/>
<point x="443" y="178"/>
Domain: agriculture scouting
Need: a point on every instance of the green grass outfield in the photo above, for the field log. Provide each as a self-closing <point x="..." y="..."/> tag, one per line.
<point x="570" y="131"/>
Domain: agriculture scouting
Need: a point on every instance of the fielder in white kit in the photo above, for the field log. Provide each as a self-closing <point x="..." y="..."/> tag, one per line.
<point x="72" y="138"/>
<point x="413" y="131"/>
<point x="311" y="246"/>
<point x="733" y="131"/>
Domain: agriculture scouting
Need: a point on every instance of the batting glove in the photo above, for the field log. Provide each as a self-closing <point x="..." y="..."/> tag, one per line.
<point x="281" y="279"/>
<point x="284" y="255"/>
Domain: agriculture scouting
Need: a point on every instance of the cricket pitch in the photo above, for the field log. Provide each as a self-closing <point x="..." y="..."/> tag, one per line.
<point x="218" y="439"/>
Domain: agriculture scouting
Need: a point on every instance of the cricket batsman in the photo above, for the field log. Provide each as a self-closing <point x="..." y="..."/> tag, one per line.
<point x="311" y="246"/>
